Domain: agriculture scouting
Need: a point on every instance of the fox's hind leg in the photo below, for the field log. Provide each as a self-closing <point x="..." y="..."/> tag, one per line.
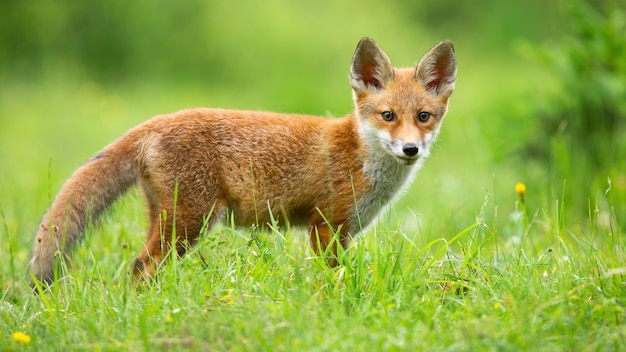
<point x="161" y="240"/>
<point x="169" y="227"/>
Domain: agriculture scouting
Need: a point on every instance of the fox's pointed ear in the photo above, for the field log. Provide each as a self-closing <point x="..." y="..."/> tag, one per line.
<point x="436" y="71"/>
<point x="371" y="68"/>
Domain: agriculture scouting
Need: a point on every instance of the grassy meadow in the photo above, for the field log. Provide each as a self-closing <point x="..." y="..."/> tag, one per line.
<point x="464" y="261"/>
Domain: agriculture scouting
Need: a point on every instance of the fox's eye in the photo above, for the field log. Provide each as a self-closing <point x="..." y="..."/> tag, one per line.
<point x="423" y="116"/>
<point x="388" y="116"/>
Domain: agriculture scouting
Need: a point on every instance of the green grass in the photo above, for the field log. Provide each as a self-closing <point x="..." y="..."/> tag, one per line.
<point x="544" y="287"/>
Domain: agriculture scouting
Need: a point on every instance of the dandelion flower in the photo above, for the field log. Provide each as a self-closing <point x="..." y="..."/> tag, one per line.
<point x="520" y="188"/>
<point x="20" y="337"/>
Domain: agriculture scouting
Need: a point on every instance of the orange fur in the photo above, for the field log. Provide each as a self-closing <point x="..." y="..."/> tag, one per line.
<point x="328" y="174"/>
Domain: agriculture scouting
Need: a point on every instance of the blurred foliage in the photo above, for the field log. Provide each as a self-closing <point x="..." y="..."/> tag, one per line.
<point x="585" y="118"/>
<point x="120" y="40"/>
<point x="109" y="39"/>
<point x="589" y="110"/>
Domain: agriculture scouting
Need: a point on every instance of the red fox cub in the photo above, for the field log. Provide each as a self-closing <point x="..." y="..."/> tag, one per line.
<point x="332" y="175"/>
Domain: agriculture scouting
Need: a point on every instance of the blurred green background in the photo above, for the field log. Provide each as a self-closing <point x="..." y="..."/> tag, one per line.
<point x="76" y="75"/>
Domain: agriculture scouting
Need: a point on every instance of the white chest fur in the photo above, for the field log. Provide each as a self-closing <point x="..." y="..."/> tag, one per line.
<point x="389" y="180"/>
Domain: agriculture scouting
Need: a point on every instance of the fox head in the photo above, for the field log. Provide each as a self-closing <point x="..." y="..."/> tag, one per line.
<point x="400" y="110"/>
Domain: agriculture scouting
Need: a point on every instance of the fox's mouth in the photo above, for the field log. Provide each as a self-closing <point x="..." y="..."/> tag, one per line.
<point x="406" y="160"/>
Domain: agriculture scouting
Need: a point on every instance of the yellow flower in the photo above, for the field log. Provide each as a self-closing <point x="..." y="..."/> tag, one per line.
<point x="168" y="319"/>
<point x="520" y="188"/>
<point x="229" y="292"/>
<point x="20" y="337"/>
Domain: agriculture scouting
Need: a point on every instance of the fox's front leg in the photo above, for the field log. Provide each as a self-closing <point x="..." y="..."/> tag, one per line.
<point x="323" y="235"/>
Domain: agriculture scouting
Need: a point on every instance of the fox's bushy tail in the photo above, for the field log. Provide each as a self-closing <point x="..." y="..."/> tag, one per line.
<point x="90" y="190"/>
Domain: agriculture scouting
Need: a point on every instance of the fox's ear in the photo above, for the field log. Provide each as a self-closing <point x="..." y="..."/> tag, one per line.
<point x="436" y="71"/>
<point x="371" y="68"/>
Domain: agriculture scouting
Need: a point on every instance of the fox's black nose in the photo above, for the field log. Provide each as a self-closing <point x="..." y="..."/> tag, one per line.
<point x="410" y="149"/>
